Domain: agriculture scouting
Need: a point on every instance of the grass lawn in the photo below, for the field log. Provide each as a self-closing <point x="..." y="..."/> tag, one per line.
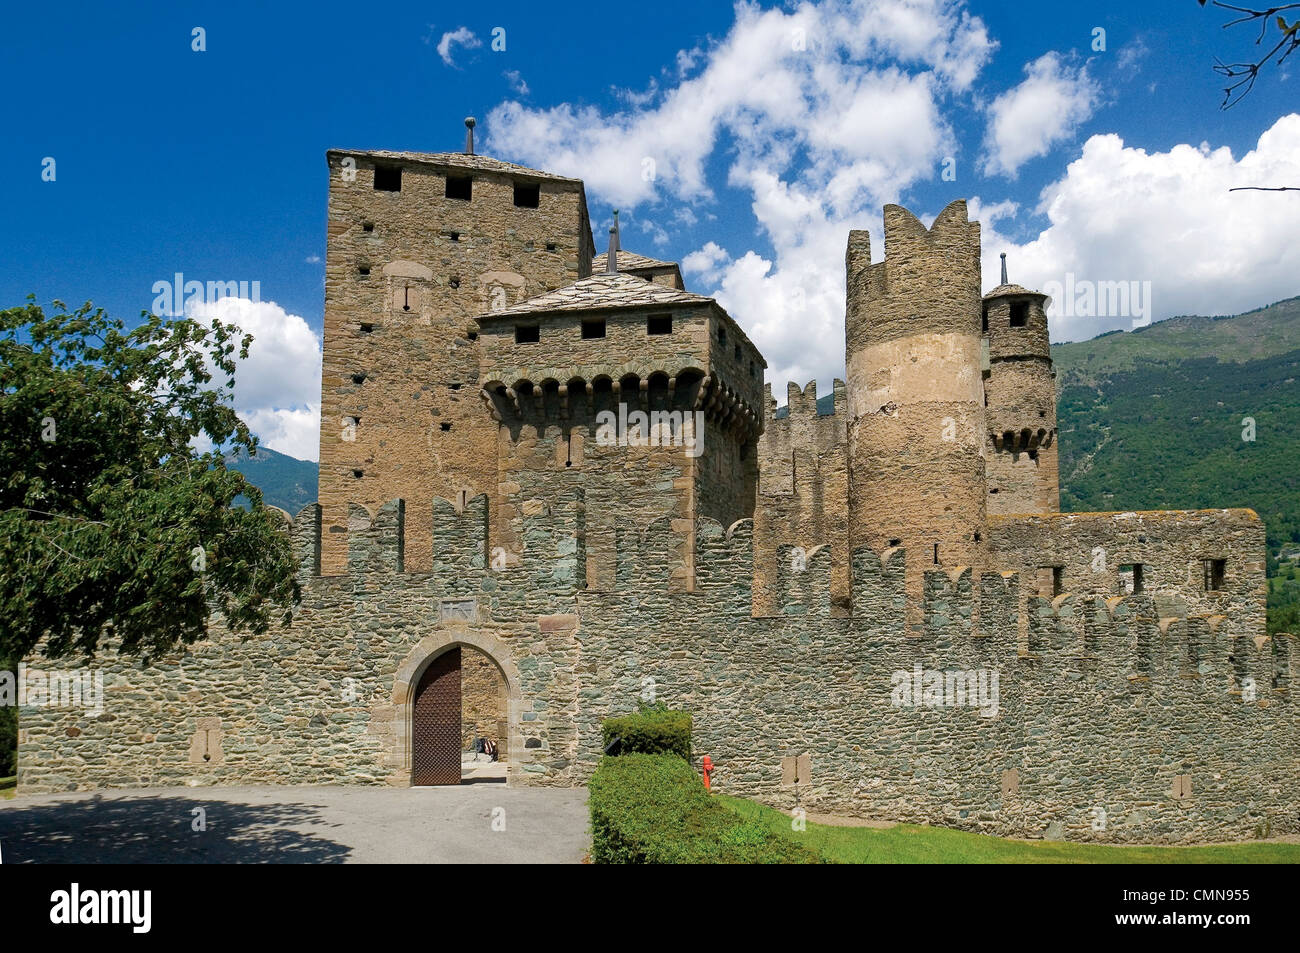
<point x="913" y="844"/>
<point x="8" y="787"/>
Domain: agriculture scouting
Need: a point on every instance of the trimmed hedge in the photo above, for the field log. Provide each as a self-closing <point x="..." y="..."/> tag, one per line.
<point x="650" y="731"/>
<point x="652" y="809"/>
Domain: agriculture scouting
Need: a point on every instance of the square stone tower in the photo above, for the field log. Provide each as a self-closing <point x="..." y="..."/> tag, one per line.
<point x="418" y="245"/>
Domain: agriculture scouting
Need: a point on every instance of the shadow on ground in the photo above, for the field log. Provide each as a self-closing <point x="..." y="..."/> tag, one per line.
<point x="144" y="829"/>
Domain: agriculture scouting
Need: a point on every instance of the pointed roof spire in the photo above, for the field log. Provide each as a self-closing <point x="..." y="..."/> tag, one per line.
<point x="611" y="257"/>
<point x="1004" y="269"/>
<point x="469" y="135"/>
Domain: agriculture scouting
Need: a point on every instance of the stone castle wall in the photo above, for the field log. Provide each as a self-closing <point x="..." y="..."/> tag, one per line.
<point x="1178" y="728"/>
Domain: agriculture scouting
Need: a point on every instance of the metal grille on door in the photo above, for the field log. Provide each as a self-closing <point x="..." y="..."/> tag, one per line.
<point x="435" y="723"/>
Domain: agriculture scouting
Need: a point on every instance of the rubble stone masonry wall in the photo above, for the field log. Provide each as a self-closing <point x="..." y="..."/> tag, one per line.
<point x="1113" y="720"/>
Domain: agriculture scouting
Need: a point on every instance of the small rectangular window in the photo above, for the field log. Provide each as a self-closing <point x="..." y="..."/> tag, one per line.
<point x="388" y="178"/>
<point x="984" y="324"/>
<point x="527" y="333"/>
<point x="1019" y="314"/>
<point x="1130" y="578"/>
<point x="594" y="328"/>
<point x="459" y="187"/>
<point x="1214" y="572"/>
<point x="527" y="196"/>
<point x="1058" y="580"/>
<point x="659" y="324"/>
<point x="722" y="335"/>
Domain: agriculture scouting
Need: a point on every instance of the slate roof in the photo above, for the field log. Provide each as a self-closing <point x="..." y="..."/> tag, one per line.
<point x="1004" y="290"/>
<point x="458" y="160"/>
<point x="601" y="292"/>
<point x="630" y="261"/>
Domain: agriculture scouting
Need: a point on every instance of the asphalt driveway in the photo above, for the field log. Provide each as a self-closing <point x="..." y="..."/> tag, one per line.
<point x="472" y="823"/>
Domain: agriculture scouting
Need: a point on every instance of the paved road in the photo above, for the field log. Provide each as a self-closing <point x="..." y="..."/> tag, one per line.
<point x="298" y="825"/>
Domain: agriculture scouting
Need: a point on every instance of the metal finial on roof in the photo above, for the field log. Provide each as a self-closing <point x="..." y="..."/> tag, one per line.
<point x="469" y="135"/>
<point x="618" y="243"/>
<point x="1004" y="269"/>
<point x="611" y="257"/>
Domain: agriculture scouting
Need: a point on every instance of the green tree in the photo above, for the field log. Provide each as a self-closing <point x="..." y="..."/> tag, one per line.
<point x="116" y="523"/>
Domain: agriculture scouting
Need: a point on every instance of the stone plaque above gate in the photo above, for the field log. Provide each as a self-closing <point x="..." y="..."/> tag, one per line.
<point x="458" y="610"/>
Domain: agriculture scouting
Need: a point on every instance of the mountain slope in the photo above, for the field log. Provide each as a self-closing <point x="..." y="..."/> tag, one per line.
<point x="1159" y="418"/>
<point x="285" y="481"/>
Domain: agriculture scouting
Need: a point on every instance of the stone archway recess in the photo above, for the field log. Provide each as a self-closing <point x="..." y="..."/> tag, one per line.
<point x="408" y="677"/>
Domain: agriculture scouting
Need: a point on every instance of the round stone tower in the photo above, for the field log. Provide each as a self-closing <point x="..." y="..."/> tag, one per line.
<point x="917" y="434"/>
<point x="1020" y="393"/>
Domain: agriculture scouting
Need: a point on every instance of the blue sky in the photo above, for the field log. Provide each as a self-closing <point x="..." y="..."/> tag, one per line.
<point x="1077" y="161"/>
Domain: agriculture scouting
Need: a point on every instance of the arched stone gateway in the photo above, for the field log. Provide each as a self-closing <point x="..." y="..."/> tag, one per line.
<point x="432" y="722"/>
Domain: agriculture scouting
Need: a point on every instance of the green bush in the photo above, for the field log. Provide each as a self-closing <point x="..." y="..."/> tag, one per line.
<point x="652" y="809"/>
<point x="651" y="731"/>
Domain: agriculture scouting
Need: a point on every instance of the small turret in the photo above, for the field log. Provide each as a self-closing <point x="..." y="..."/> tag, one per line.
<point x="1020" y="399"/>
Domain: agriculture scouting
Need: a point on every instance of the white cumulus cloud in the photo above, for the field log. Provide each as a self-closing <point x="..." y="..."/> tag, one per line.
<point x="1120" y="213"/>
<point x="1026" y="121"/>
<point x="277" y="387"/>
<point x="461" y="36"/>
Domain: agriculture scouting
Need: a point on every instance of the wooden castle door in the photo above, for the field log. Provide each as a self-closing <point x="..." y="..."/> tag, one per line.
<point x="435" y="722"/>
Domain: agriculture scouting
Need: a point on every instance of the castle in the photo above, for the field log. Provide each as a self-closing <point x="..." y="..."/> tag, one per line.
<point x="563" y="464"/>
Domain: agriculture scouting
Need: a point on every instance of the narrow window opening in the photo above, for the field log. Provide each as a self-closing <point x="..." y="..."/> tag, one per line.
<point x="527" y="333"/>
<point x="1058" y="580"/>
<point x="363" y="271"/>
<point x="1019" y="314"/>
<point x="1130" y="577"/>
<point x="367" y="328"/>
<point x="444" y="426"/>
<point x="459" y="187"/>
<point x="388" y="178"/>
<point x="359" y="377"/>
<point x="722" y="335"/>
<point x="659" y="324"/>
<point x="527" y="196"/>
<point x="737" y="352"/>
<point x="357" y="473"/>
<point x="551" y="246"/>
<point x="895" y="542"/>
<point x="1214" y="573"/>
<point x="453" y="236"/>
<point x="985" y="320"/>
<point x="936" y="554"/>
<point x="594" y="328"/>
<point x="367" y="226"/>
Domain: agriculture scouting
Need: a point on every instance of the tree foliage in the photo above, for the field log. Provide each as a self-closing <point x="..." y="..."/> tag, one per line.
<point x="116" y="525"/>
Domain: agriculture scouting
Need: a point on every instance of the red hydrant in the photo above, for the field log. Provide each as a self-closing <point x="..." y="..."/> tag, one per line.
<point x="707" y="765"/>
